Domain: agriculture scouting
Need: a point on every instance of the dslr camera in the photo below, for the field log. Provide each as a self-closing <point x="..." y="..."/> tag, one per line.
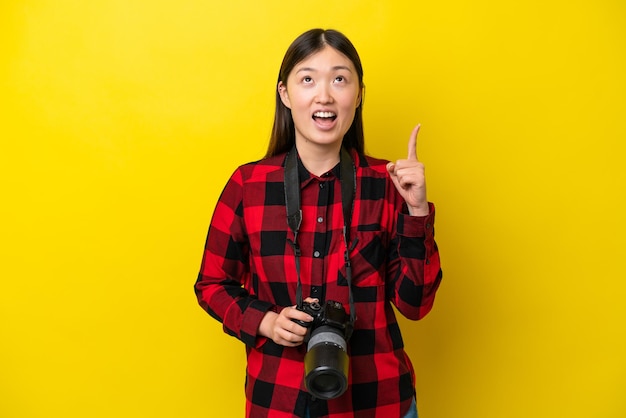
<point x="326" y="361"/>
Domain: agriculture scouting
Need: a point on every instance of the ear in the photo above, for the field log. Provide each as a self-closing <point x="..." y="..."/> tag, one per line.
<point x="359" y="99"/>
<point x="284" y="96"/>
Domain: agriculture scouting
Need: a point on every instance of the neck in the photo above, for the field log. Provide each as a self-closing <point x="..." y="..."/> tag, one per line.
<point x="318" y="159"/>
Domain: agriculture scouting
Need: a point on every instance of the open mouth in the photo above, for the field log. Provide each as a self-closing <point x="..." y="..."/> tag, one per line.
<point x="324" y="116"/>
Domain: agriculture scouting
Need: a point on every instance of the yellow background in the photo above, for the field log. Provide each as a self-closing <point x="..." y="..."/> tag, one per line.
<point x="121" y="120"/>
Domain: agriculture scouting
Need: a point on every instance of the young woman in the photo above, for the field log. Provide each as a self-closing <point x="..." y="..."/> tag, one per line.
<point x="319" y="223"/>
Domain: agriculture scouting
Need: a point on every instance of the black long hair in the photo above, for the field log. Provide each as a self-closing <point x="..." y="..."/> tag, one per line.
<point x="310" y="42"/>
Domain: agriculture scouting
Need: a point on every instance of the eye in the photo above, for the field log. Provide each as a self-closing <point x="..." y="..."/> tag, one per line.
<point x="307" y="79"/>
<point x="340" y="79"/>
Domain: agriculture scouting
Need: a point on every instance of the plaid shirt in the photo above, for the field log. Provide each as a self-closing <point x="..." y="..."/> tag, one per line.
<point x="249" y="268"/>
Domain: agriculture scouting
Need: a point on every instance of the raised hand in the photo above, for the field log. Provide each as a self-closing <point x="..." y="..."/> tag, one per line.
<point x="409" y="178"/>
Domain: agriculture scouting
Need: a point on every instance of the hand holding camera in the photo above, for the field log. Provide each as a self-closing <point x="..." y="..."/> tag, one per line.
<point x="288" y="328"/>
<point x="326" y="329"/>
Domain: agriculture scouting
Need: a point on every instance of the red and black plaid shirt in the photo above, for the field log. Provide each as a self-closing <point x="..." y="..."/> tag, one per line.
<point x="249" y="268"/>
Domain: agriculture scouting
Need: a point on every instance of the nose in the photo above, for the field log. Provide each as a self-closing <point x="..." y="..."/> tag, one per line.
<point x="324" y="94"/>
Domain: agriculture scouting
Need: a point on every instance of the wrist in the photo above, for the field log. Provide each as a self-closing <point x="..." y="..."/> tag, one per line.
<point x="422" y="210"/>
<point x="267" y="324"/>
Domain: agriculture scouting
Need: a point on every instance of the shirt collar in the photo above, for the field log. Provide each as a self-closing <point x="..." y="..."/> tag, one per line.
<point x="306" y="177"/>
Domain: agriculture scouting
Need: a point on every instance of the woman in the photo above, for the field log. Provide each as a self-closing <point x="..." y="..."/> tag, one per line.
<point x="317" y="220"/>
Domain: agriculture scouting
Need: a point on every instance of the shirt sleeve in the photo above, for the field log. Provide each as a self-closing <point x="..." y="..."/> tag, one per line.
<point x="225" y="269"/>
<point x="414" y="266"/>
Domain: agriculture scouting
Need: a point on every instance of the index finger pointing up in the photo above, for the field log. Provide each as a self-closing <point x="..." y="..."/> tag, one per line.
<point x="413" y="143"/>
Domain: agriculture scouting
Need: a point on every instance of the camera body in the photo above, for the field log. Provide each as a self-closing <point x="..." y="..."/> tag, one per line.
<point x="326" y="362"/>
<point x="331" y="314"/>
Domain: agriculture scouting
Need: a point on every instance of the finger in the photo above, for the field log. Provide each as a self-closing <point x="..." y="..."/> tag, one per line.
<point x="292" y="331"/>
<point x="287" y="338"/>
<point x="413" y="143"/>
<point x="292" y="313"/>
<point x="286" y="326"/>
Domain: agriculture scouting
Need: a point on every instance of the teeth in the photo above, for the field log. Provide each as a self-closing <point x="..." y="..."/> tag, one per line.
<point x="324" y="114"/>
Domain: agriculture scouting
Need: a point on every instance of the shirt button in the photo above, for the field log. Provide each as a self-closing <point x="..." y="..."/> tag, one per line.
<point x="320" y="220"/>
<point x="321" y="185"/>
<point x="316" y="254"/>
<point x="427" y="226"/>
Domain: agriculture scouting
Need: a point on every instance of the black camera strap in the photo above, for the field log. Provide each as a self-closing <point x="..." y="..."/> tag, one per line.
<point x="347" y="181"/>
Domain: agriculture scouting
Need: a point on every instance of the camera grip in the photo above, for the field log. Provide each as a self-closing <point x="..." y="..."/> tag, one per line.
<point x="302" y="323"/>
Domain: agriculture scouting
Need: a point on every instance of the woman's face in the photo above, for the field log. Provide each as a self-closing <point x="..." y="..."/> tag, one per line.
<point x="323" y="92"/>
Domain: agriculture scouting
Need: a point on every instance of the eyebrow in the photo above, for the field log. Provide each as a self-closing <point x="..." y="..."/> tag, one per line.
<point x="335" y="68"/>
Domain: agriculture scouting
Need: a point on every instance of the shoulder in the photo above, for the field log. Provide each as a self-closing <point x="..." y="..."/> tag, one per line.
<point x="370" y="166"/>
<point x="374" y="179"/>
<point x="266" y="169"/>
<point x="254" y="180"/>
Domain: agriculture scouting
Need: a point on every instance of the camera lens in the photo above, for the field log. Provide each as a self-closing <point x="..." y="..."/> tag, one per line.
<point x="326" y="364"/>
<point x="325" y="383"/>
